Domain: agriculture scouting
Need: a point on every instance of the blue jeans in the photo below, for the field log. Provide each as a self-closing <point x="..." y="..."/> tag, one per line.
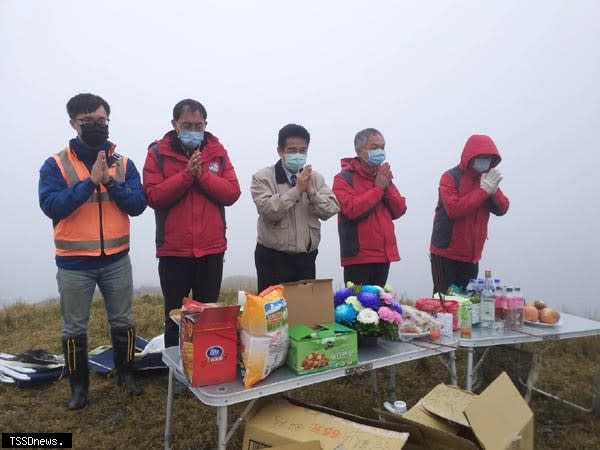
<point x="76" y="288"/>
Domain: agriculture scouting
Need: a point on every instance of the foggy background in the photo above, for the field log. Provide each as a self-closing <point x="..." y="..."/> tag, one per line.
<point x="426" y="74"/>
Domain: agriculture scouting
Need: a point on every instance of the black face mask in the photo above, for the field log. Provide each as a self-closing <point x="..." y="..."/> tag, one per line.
<point x="94" y="134"/>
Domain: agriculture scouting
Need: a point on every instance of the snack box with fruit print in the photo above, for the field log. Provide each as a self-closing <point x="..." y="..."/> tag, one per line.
<point x="327" y="346"/>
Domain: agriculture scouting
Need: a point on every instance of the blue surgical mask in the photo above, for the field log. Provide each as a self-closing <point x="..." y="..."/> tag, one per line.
<point x="294" y="161"/>
<point x="482" y="163"/>
<point x="191" y="138"/>
<point x="376" y="157"/>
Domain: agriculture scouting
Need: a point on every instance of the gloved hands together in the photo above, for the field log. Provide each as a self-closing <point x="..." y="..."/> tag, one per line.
<point x="490" y="181"/>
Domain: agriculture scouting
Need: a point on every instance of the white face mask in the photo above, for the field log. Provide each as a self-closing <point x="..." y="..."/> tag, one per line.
<point x="482" y="163"/>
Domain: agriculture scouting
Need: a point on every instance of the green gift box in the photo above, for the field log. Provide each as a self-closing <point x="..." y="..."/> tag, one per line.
<point x="327" y="346"/>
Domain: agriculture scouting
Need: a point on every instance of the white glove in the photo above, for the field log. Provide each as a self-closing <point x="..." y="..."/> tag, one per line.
<point x="490" y="180"/>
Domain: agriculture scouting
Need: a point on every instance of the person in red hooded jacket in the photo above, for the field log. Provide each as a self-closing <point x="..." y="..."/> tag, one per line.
<point x="188" y="180"/>
<point x="468" y="193"/>
<point x="369" y="203"/>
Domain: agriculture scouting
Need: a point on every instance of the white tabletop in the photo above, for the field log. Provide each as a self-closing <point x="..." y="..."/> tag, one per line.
<point x="386" y="353"/>
<point x="569" y="326"/>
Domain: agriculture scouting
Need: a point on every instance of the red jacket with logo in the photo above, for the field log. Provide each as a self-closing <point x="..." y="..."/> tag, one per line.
<point x="190" y="212"/>
<point x="463" y="209"/>
<point x="367" y="212"/>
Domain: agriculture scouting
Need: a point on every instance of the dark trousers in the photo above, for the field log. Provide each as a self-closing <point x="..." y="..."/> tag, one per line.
<point x="180" y="275"/>
<point x="446" y="272"/>
<point x="274" y="267"/>
<point x="374" y="273"/>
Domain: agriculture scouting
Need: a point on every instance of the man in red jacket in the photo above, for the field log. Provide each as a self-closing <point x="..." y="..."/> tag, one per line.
<point x="188" y="180"/>
<point x="467" y="195"/>
<point x="369" y="203"/>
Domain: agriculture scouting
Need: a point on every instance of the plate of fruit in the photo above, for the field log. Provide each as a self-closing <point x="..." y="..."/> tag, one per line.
<point x="539" y="314"/>
<point x="410" y="332"/>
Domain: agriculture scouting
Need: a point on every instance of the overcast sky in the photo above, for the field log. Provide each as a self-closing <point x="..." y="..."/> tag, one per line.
<point x="427" y="74"/>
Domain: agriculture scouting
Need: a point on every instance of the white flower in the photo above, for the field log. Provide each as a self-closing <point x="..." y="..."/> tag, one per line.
<point x="367" y="315"/>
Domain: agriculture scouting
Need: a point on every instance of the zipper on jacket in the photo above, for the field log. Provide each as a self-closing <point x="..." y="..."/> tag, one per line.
<point x="100" y="216"/>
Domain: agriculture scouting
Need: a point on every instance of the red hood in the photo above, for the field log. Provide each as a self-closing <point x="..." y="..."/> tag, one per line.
<point x="479" y="145"/>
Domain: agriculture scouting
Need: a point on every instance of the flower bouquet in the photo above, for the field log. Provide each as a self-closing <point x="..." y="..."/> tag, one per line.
<point x="370" y="310"/>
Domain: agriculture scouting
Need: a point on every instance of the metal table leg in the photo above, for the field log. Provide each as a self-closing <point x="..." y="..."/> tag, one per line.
<point x="469" y="380"/>
<point x="393" y="394"/>
<point x="449" y="362"/>
<point x="596" y="399"/>
<point x="222" y="427"/>
<point x="168" y="435"/>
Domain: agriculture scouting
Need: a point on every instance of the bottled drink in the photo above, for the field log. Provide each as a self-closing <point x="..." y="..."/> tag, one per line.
<point x="466" y="327"/>
<point x="488" y="304"/>
<point x="509" y="311"/>
<point x="471" y="286"/>
<point x="474" y="296"/>
<point x="480" y="286"/>
<point x="519" y="304"/>
<point x="497" y="283"/>
<point x="500" y="302"/>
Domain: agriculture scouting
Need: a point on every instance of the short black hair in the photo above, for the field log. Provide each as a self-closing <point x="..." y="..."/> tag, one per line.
<point x="85" y="103"/>
<point x="189" y="104"/>
<point x="292" y="130"/>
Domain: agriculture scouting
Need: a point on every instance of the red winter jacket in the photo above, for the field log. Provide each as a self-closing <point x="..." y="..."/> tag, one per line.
<point x="463" y="209"/>
<point x="190" y="212"/>
<point x="365" y="222"/>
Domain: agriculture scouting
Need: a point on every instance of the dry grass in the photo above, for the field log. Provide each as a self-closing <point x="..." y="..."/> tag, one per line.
<point x="114" y="420"/>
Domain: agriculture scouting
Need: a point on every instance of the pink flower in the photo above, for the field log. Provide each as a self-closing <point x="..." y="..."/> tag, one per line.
<point x="389" y="315"/>
<point x="386" y="297"/>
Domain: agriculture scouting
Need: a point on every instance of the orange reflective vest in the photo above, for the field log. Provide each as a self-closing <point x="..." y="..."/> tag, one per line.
<point x="98" y="226"/>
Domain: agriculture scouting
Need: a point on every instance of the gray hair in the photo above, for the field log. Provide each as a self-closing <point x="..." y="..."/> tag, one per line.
<point x="360" y="140"/>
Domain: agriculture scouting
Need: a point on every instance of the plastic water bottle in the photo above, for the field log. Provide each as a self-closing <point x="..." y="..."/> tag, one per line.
<point x="488" y="304"/>
<point x="519" y="305"/>
<point x="509" y="308"/>
<point x="500" y="301"/>
<point x="466" y="325"/>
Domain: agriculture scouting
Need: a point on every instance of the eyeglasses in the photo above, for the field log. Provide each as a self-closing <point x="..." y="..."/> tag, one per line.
<point x="187" y="126"/>
<point x="90" y="121"/>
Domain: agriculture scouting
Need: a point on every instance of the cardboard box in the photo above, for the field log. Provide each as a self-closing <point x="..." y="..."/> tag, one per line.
<point x="310" y="445"/>
<point x="449" y="417"/>
<point x="309" y="302"/>
<point x="327" y="346"/>
<point x="278" y="421"/>
<point x="208" y="344"/>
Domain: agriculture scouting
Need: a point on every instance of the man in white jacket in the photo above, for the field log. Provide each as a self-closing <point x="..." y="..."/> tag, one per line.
<point x="291" y="199"/>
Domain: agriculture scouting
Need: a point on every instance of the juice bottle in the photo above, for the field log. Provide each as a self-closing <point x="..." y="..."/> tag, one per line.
<point x="466" y="327"/>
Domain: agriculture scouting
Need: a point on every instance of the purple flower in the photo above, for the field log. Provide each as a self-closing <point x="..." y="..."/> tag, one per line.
<point x="341" y="295"/>
<point x="396" y="307"/>
<point x="369" y="300"/>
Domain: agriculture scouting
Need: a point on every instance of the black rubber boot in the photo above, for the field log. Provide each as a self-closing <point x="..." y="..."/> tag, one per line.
<point x="123" y="340"/>
<point x="76" y="365"/>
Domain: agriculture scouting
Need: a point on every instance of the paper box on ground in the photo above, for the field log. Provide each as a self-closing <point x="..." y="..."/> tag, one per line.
<point x="309" y="302"/>
<point x="208" y="344"/>
<point x="310" y="445"/>
<point x="452" y="418"/>
<point x="279" y="421"/>
<point x="326" y="346"/>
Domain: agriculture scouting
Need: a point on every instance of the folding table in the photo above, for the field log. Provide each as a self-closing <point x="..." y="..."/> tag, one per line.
<point x="386" y="353"/>
<point x="570" y="326"/>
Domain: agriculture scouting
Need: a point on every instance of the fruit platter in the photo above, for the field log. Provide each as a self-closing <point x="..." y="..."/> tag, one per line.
<point x="538" y="313"/>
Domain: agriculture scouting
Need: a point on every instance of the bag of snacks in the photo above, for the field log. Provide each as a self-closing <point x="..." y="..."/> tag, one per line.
<point x="263" y="334"/>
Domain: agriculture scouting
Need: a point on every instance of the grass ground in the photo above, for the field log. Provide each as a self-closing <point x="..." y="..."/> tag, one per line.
<point x="115" y="420"/>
